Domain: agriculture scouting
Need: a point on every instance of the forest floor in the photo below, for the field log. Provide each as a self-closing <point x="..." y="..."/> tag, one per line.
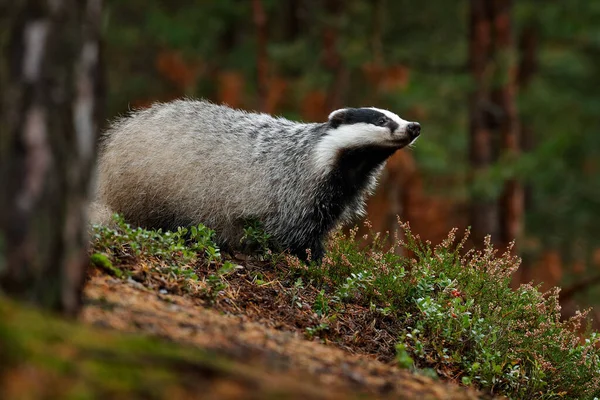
<point x="140" y="337"/>
<point x="263" y="326"/>
<point x="167" y="316"/>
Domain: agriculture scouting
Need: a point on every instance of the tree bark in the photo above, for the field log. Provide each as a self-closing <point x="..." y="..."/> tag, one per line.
<point x="528" y="67"/>
<point x="483" y="210"/>
<point x="512" y="198"/>
<point x="51" y="80"/>
<point x="262" y="59"/>
<point x="293" y="20"/>
<point x="331" y="56"/>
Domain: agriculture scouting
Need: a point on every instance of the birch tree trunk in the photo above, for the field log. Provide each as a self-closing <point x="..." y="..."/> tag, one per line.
<point x="50" y="75"/>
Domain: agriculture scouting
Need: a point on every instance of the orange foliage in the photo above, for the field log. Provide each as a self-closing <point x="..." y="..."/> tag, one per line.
<point x="177" y="70"/>
<point x="417" y="113"/>
<point x="230" y="88"/>
<point x="386" y="79"/>
<point x="578" y="267"/>
<point x="372" y="72"/>
<point x="395" y="77"/>
<point x="314" y="106"/>
<point x="548" y="270"/>
<point x="596" y="258"/>
<point x="275" y="94"/>
<point x="148" y="101"/>
<point x="230" y="91"/>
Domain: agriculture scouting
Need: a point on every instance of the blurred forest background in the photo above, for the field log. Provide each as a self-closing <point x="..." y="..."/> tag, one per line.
<point x="507" y="94"/>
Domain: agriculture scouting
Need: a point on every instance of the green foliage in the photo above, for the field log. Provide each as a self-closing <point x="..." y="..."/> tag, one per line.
<point x="456" y="310"/>
<point x="460" y="316"/>
<point x="311" y="332"/>
<point x="321" y="305"/>
<point x="298" y="285"/>
<point x="403" y="359"/>
<point x="216" y="282"/>
<point x="255" y="240"/>
<point x="175" y="248"/>
<point x="103" y="262"/>
<point x="175" y="252"/>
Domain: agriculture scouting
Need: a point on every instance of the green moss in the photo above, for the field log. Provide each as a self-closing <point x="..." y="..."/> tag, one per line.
<point x="102" y="261"/>
<point x="86" y="362"/>
<point x="177" y="248"/>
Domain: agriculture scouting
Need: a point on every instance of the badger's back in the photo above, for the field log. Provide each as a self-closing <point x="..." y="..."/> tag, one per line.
<point x="183" y="163"/>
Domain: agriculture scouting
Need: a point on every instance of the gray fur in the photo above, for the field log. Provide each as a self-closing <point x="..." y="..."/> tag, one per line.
<point x="188" y="162"/>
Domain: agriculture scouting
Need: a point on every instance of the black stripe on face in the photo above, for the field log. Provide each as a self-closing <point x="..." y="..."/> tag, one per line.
<point x="393" y="125"/>
<point x="352" y="116"/>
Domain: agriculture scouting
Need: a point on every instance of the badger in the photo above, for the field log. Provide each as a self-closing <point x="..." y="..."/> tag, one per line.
<point x="190" y="162"/>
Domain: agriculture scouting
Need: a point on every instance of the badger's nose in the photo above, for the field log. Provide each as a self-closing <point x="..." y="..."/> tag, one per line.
<point x="413" y="129"/>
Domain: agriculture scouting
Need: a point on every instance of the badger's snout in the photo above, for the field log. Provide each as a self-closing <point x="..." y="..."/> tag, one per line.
<point x="413" y="130"/>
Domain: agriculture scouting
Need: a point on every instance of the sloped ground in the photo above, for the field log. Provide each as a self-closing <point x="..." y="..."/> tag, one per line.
<point x="273" y="346"/>
<point x="43" y="357"/>
<point x="350" y="322"/>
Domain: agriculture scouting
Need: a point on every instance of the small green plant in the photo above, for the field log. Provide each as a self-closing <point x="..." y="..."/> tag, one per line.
<point x="311" y="332"/>
<point x="355" y="284"/>
<point x="321" y="306"/>
<point x="295" y="293"/>
<point x="255" y="239"/>
<point x="214" y="286"/>
<point x="173" y="255"/>
<point x="215" y="283"/>
<point x="258" y="279"/>
<point x="103" y="262"/>
<point x="179" y="247"/>
<point x="403" y="359"/>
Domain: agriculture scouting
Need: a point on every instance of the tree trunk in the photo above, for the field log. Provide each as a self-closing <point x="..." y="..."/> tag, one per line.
<point x="483" y="210"/>
<point x="50" y="76"/>
<point x="528" y="51"/>
<point x="511" y="201"/>
<point x="262" y="59"/>
<point x="293" y="20"/>
<point x="528" y="66"/>
<point x="332" y="60"/>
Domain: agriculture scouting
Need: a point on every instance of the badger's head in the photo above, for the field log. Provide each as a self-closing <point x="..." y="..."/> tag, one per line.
<point x="356" y="127"/>
<point x="365" y="133"/>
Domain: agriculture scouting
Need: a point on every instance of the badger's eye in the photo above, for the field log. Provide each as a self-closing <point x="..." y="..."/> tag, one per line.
<point x="382" y="121"/>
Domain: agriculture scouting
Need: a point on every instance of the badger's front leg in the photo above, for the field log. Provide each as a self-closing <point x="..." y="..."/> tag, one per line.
<point x="315" y="248"/>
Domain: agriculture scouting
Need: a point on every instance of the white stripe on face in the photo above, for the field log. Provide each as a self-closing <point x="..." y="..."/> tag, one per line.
<point x="336" y="112"/>
<point x="402" y="124"/>
<point x="348" y="136"/>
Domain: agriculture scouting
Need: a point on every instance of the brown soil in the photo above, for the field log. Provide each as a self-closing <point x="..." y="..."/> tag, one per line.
<point x="263" y="324"/>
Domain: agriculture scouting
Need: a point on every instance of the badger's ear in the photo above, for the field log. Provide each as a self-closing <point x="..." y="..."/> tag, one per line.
<point x="337" y="117"/>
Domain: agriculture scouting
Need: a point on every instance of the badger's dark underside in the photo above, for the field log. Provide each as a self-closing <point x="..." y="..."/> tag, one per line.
<point x="343" y="187"/>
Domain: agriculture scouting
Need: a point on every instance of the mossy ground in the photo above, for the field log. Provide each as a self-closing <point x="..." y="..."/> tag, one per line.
<point x="44" y="357"/>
